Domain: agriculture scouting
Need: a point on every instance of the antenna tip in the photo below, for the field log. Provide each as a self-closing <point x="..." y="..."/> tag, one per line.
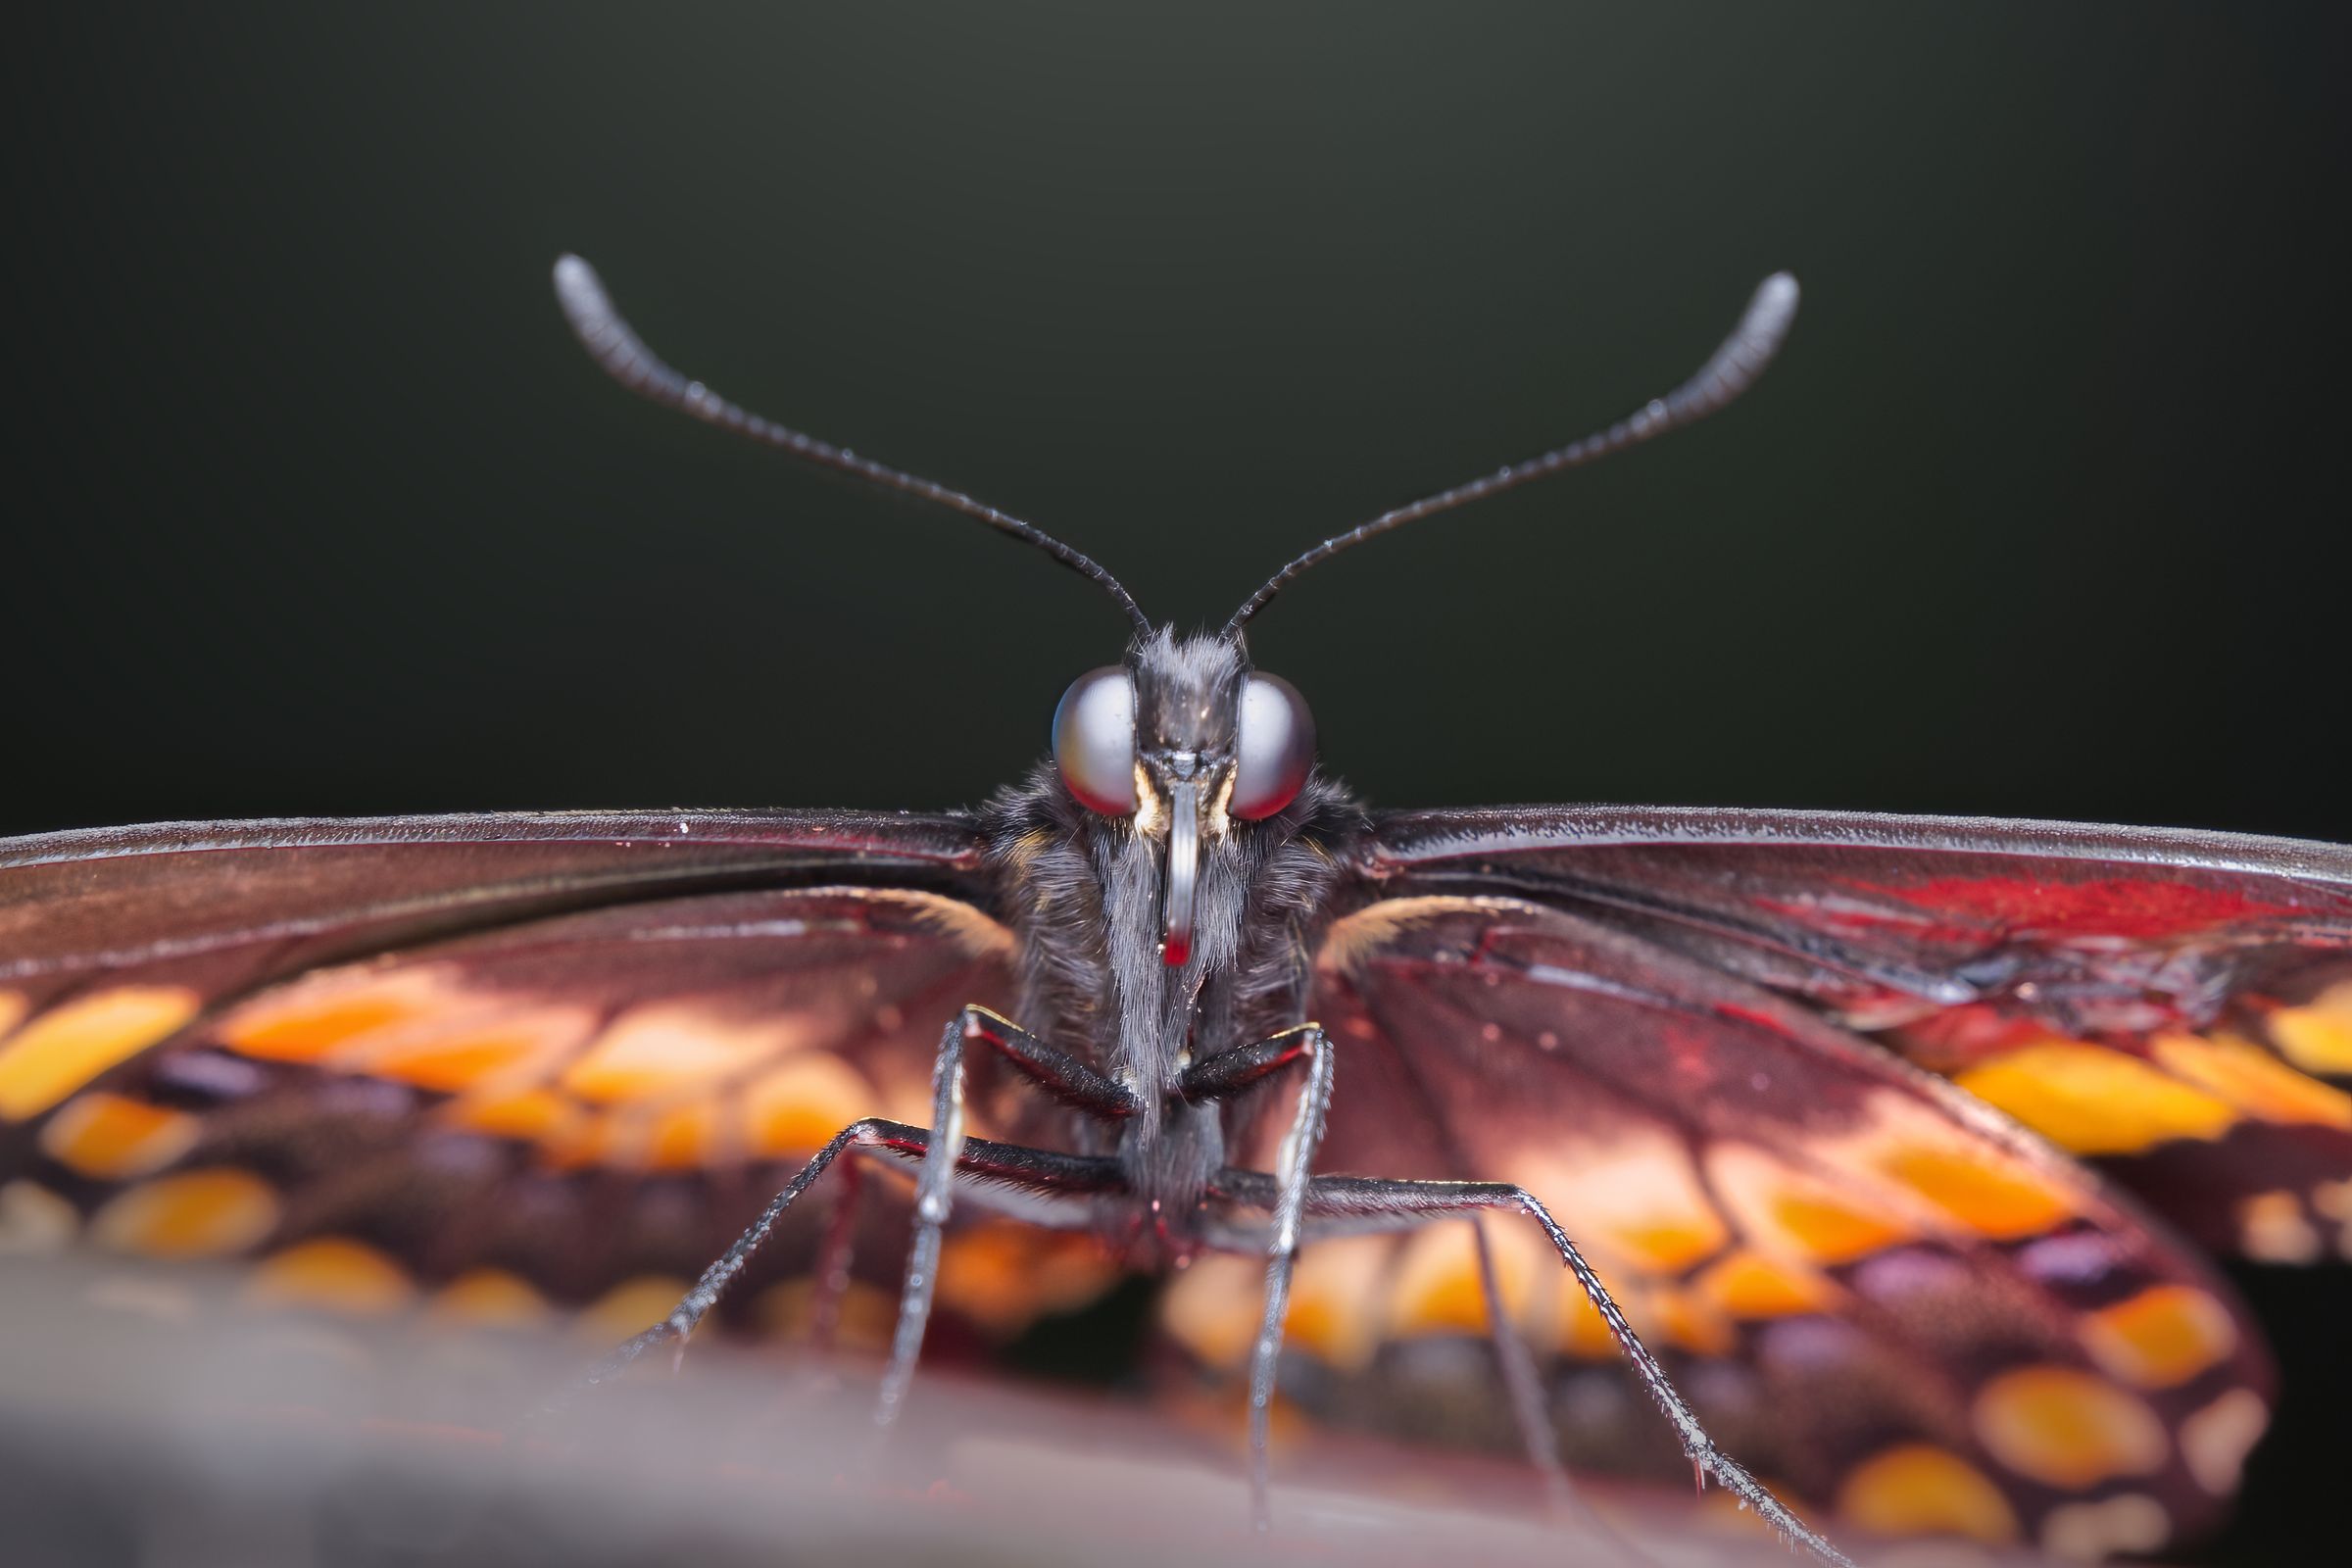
<point x="1774" y="305"/>
<point x="580" y="292"/>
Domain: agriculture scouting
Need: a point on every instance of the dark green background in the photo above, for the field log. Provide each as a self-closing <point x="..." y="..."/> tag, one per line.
<point x="315" y="509"/>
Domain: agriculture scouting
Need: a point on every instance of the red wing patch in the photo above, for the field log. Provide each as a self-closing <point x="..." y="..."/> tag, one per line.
<point x="1875" y="1292"/>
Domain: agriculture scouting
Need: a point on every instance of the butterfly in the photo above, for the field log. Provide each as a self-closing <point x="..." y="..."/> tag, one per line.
<point x="1879" y="1148"/>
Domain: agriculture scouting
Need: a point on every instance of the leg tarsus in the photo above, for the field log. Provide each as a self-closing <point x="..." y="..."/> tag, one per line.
<point x="1291" y="1174"/>
<point x="934" y="1196"/>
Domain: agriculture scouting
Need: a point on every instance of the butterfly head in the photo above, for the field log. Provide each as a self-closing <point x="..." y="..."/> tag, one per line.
<point x="1183" y="739"/>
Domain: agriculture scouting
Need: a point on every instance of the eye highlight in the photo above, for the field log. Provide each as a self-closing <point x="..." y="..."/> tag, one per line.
<point x="1274" y="749"/>
<point x="1093" y="740"/>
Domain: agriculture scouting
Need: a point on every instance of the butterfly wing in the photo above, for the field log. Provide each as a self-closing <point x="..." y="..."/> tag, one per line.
<point x="2175" y="1006"/>
<point x="1881" y="1295"/>
<point x="506" y="1061"/>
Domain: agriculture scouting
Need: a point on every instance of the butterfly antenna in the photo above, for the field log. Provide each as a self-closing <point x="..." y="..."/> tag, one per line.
<point x="1732" y="369"/>
<point x="614" y="345"/>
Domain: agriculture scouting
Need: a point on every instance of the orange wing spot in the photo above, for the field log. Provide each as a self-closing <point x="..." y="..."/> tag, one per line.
<point x="2271" y="1229"/>
<point x="2316" y="1037"/>
<point x="683" y="1137"/>
<point x="631" y="1306"/>
<point x="111" y="1138"/>
<point x="1752" y="1286"/>
<point x="454" y="1062"/>
<point x="1785" y="1213"/>
<point x="2094" y="1531"/>
<point x="2067" y="1428"/>
<point x="796" y="1107"/>
<point x="333" y="1274"/>
<point x="1004" y="1277"/>
<point x="1211" y="1308"/>
<point x="1831" y="1232"/>
<point x="2162" y="1337"/>
<point x="66" y="1047"/>
<point x="1991" y="1197"/>
<point x="1633" y="1195"/>
<point x="595" y="1138"/>
<point x="1583" y="1331"/>
<point x="1918" y="1490"/>
<point x="1437" y="1289"/>
<point x="2091" y="1101"/>
<point x="676" y="1048"/>
<point x="2214" y="1440"/>
<point x="529" y="1115"/>
<point x="1334" y="1299"/>
<point x="1687" y="1322"/>
<point x="305" y="1020"/>
<point x="199" y="1213"/>
<point x="34" y="1220"/>
<point x="489" y="1298"/>
<point x="2253" y="1080"/>
<point x="864" y="1320"/>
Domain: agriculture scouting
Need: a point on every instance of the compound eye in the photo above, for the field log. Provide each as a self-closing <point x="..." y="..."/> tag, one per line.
<point x="1093" y="740"/>
<point x="1274" y="749"/>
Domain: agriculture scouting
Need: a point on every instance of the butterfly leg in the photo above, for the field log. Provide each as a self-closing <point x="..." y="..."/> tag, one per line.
<point x="1356" y="1205"/>
<point x="833" y="1259"/>
<point x="1228" y="1073"/>
<point x="1063" y="1076"/>
<point x="1042" y="1173"/>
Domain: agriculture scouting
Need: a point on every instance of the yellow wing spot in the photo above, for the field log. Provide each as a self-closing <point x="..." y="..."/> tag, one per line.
<point x="1004" y="1277"/>
<point x="1210" y="1308"/>
<point x="2317" y="1036"/>
<point x="1752" y="1286"/>
<point x="1334" y="1299"/>
<point x="305" y="1020"/>
<point x="796" y="1108"/>
<point x="1990" y="1195"/>
<point x="488" y="1298"/>
<point x="674" y="1049"/>
<point x="2253" y="1080"/>
<point x="34" y="1221"/>
<point x="631" y="1306"/>
<point x="333" y="1274"/>
<point x="2214" y="1440"/>
<point x="112" y="1137"/>
<point x="2160" y="1337"/>
<point x="2067" y="1428"/>
<point x="66" y="1047"/>
<point x="2093" y="1532"/>
<point x="2271" y="1229"/>
<point x="864" y="1320"/>
<point x="199" y="1213"/>
<point x="1918" y="1490"/>
<point x="2090" y="1101"/>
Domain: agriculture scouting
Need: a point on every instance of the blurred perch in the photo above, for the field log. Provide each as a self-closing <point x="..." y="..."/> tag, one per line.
<point x="144" y="1422"/>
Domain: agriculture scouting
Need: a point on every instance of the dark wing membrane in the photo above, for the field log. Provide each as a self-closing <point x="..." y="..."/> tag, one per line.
<point x="2175" y="1005"/>
<point x="494" y="1063"/>
<point x="1878" y="1294"/>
